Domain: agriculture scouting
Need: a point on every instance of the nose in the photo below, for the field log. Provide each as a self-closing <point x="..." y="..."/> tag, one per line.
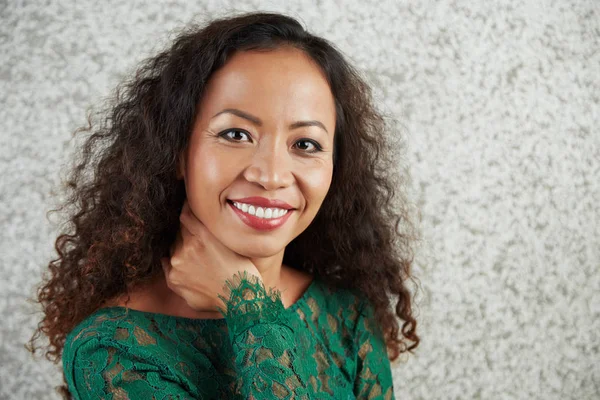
<point x="270" y="166"/>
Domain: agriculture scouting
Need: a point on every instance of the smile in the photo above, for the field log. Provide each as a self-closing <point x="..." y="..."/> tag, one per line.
<point x="260" y="212"/>
<point x="260" y="218"/>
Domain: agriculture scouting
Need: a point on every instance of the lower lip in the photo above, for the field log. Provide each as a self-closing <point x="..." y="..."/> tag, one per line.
<point x="261" y="224"/>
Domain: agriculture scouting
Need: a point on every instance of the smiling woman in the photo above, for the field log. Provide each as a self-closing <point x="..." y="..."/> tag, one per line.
<point x="237" y="238"/>
<point x="253" y="137"/>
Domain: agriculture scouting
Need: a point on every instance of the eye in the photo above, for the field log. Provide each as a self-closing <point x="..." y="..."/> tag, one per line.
<point x="234" y="135"/>
<point x="306" y="143"/>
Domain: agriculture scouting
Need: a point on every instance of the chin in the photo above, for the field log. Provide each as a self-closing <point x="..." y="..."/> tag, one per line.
<point x="257" y="250"/>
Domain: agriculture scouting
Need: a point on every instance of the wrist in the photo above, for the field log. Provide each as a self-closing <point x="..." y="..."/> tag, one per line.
<point x="245" y="292"/>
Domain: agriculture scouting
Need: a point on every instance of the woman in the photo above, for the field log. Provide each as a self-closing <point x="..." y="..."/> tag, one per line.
<point x="235" y="236"/>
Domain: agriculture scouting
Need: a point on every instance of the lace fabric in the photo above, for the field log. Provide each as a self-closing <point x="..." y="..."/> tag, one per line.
<point x="325" y="346"/>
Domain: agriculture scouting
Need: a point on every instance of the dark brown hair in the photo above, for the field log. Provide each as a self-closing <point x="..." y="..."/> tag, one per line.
<point x="124" y="199"/>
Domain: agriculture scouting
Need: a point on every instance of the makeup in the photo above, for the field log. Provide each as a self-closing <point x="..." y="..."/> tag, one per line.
<point x="258" y="223"/>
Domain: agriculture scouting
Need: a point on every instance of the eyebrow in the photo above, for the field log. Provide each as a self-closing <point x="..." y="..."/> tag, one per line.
<point x="257" y="121"/>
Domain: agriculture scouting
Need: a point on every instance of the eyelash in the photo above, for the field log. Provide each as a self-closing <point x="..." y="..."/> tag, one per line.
<point x="223" y="134"/>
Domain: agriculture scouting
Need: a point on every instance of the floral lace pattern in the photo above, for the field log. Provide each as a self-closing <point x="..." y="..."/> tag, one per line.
<point x="325" y="346"/>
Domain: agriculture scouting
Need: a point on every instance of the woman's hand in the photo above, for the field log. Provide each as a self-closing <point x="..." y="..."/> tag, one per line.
<point x="200" y="264"/>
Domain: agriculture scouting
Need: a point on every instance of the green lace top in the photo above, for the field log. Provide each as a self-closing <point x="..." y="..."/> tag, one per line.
<point x="327" y="345"/>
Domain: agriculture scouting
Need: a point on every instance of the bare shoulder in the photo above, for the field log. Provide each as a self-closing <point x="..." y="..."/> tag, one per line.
<point x="151" y="297"/>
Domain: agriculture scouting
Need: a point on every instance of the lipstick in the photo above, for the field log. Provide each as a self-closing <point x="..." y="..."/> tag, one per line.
<point x="261" y="224"/>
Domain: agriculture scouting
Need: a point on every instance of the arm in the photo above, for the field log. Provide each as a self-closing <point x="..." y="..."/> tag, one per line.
<point x="264" y="349"/>
<point x="267" y="364"/>
<point x="373" y="373"/>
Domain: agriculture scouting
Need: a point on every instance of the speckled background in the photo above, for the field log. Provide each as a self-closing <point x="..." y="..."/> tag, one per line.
<point x="499" y="106"/>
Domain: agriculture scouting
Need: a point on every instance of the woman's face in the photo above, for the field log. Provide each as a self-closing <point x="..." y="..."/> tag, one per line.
<point x="264" y="128"/>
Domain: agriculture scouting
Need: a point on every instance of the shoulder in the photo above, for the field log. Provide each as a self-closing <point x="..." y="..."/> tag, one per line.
<point x="122" y="332"/>
<point x="345" y="304"/>
<point x="349" y="308"/>
<point x="100" y="323"/>
<point x="115" y="337"/>
<point x="95" y="344"/>
<point x="120" y="351"/>
<point x="110" y="327"/>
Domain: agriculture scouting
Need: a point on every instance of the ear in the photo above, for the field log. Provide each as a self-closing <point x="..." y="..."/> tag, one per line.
<point x="180" y="169"/>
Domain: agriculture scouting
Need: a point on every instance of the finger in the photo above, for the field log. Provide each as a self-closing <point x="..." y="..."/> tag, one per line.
<point x="167" y="270"/>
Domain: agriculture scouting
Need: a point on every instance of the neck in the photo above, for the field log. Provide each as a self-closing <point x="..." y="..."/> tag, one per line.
<point x="270" y="269"/>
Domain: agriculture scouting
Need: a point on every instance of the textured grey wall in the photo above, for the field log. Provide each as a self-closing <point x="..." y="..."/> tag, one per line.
<point x="499" y="101"/>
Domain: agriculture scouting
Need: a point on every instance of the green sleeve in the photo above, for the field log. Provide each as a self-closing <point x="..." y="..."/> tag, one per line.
<point x="373" y="372"/>
<point x="266" y="361"/>
<point x="103" y="370"/>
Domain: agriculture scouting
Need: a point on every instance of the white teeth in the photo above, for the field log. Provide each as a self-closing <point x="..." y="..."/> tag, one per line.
<point x="260" y="212"/>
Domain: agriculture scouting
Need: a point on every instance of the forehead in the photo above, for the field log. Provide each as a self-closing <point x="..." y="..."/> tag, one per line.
<point x="281" y="83"/>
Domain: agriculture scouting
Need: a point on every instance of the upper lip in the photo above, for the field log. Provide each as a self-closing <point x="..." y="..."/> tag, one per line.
<point x="264" y="202"/>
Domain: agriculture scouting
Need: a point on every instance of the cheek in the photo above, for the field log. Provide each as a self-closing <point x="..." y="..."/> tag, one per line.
<point x="316" y="184"/>
<point x="208" y="174"/>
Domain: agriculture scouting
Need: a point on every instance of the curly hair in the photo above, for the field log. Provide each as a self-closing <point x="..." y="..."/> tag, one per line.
<point x="124" y="199"/>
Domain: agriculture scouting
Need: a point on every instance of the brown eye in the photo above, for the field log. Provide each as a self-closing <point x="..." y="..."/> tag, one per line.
<point x="235" y="135"/>
<point x="306" y="146"/>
